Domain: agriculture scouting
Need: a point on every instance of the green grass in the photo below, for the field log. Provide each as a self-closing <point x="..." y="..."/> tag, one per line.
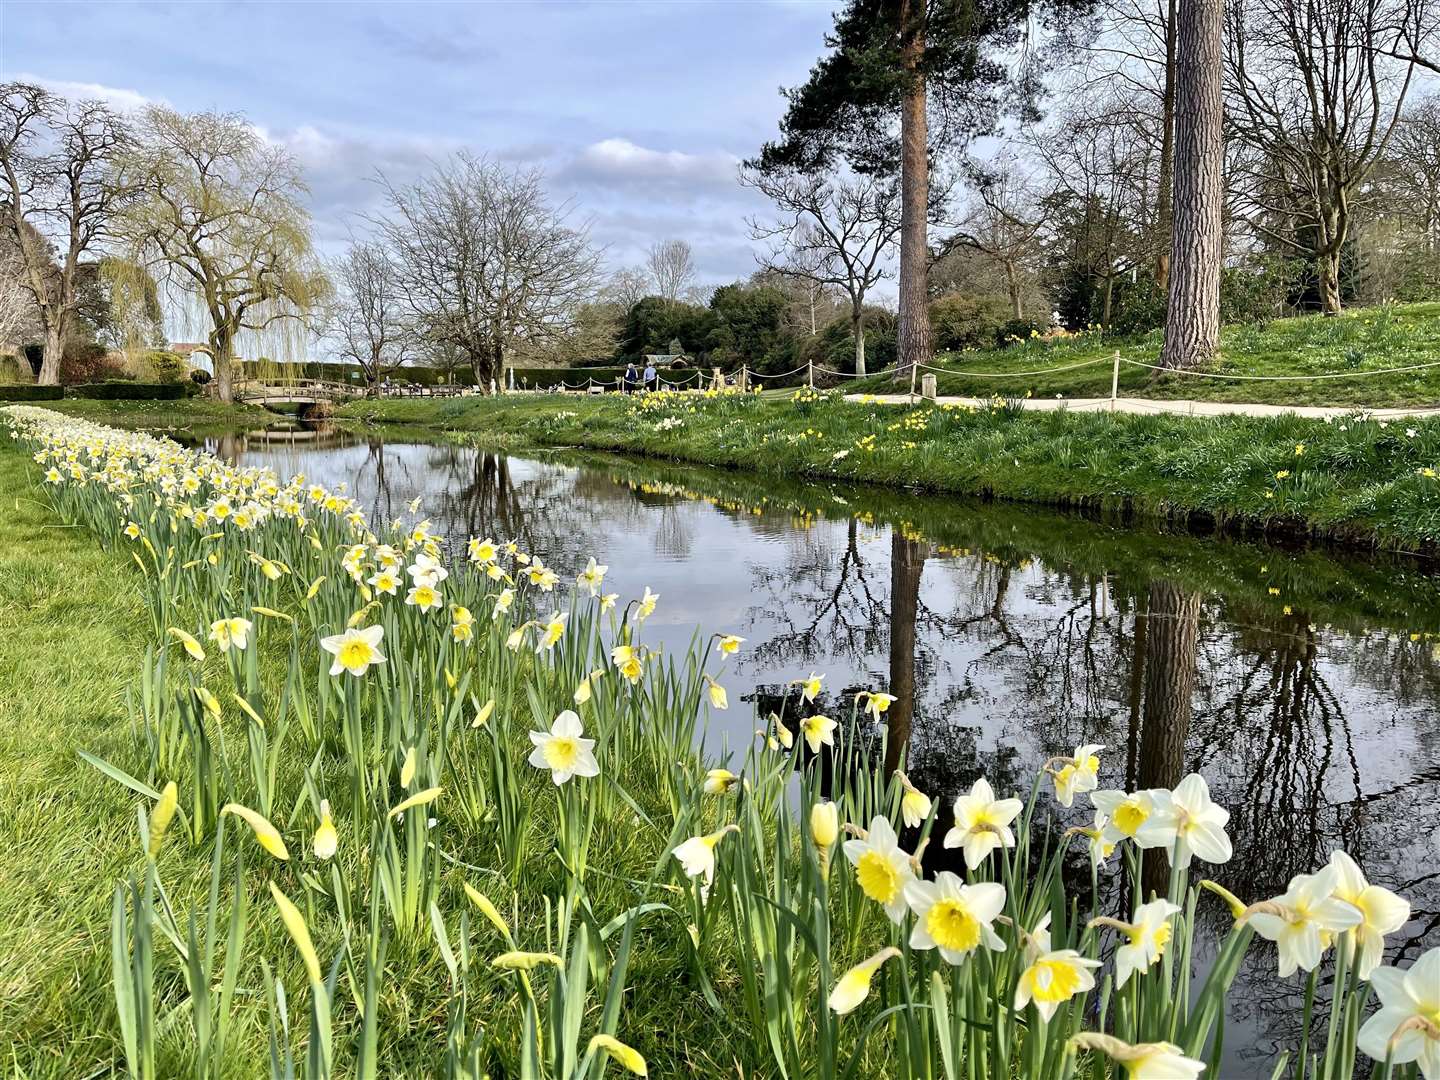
<point x="1363" y="339"/>
<point x="1355" y="482"/>
<point x="186" y="414"/>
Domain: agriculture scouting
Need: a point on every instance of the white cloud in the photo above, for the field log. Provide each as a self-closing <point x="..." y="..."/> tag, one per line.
<point x="121" y="99"/>
<point x="620" y="160"/>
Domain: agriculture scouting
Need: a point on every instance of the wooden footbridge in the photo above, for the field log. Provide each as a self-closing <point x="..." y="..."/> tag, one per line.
<point x="292" y="391"/>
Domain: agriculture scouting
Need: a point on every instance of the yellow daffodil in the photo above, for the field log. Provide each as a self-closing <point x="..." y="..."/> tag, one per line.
<point x="1142" y="1061"/>
<point x="818" y="731"/>
<point x="982" y="823"/>
<point x="854" y="986"/>
<point x="234" y="631"/>
<point x="720" y="782"/>
<point x="882" y="869"/>
<point x="1052" y="979"/>
<point x="326" y="839"/>
<point x="300" y="934"/>
<point x="265" y="834"/>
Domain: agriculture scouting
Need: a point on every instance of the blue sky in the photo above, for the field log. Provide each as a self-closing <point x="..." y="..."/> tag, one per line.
<point x="637" y="111"/>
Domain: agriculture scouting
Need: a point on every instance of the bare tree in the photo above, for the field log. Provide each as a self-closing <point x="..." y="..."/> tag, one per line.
<point x="367" y="320"/>
<point x="17" y="304"/>
<point x="1315" y="95"/>
<point x="831" y="232"/>
<point x="488" y="263"/>
<point x="61" y="193"/>
<point x="1003" y="222"/>
<point x="628" y="286"/>
<point x="672" y="268"/>
<point x="1415" y="168"/>
<point x="221" y="218"/>
<point x="1192" y="313"/>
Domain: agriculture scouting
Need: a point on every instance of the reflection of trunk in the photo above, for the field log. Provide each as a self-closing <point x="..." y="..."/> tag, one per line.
<point x="1170" y="649"/>
<point x="907" y="561"/>
<point x="1137" y="697"/>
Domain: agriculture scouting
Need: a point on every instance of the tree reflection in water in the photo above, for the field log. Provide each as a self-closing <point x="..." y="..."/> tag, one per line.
<point x="1306" y="689"/>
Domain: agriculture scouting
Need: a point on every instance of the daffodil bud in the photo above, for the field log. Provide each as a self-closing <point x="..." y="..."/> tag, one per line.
<point x="824" y="831"/>
<point x="326" y="840"/>
<point x="161" y="817"/>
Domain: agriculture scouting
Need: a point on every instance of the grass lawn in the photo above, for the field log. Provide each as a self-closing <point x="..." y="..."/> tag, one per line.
<point x="1351" y="480"/>
<point x="185" y="414"/>
<point x="1363" y="339"/>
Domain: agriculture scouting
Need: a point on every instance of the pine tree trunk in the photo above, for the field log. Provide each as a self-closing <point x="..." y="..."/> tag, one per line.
<point x="1172" y="639"/>
<point x="913" y="331"/>
<point x="857" y="328"/>
<point x="907" y="561"/>
<point x="1192" y="315"/>
<point x="50" y="360"/>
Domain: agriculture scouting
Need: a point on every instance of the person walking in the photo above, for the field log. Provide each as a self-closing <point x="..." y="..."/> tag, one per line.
<point x="652" y="379"/>
<point x="632" y="376"/>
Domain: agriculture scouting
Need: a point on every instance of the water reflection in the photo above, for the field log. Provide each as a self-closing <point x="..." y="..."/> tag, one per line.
<point x="1305" y="688"/>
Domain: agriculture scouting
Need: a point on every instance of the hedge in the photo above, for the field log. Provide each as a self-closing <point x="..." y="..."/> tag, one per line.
<point x="128" y="391"/>
<point x="31" y="392"/>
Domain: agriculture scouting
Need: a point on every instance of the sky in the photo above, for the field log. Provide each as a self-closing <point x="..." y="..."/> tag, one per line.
<point x="638" y="112"/>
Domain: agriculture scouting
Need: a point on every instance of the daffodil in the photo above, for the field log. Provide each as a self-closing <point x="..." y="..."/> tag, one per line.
<point x="592" y="576"/>
<point x="729" y="644"/>
<point x="882" y="869"/>
<point x="563" y="751"/>
<point x="854" y="986"/>
<point x="1145" y="939"/>
<point x="161" y="816"/>
<point x="230" y="632"/>
<point x="718" y="698"/>
<point x="809" y="686"/>
<point x="1187" y="823"/>
<point x="188" y="641"/>
<point x="818" y="731"/>
<point x="326" y="840"/>
<point x="954" y="917"/>
<point x="1124" y="813"/>
<point x="1142" y="1061"/>
<point x="982" y="823"/>
<point x="299" y="933"/>
<point x="877" y="704"/>
<point x="1077" y="773"/>
<point x="525" y="961"/>
<point x="1381" y="912"/>
<point x="914" y="804"/>
<point x="265" y="834"/>
<point x="554" y="630"/>
<point x="646" y="607"/>
<point x="1407" y="1026"/>
<point x="720" y="782"/>
<point x="385" y="581"/>
<point x="503" y="599"/>
<point x="783" y="735"/>
<point x="488" y="909"/>
<point x="628" y="1057"/>
<point x="1052" y="979"/>
<point x="627" y="659"/>
<point x="482" y="551"/>
<point x="607" y="601"/>
<point x="420" y="798"/>
<point x="697" y="855"/>
<point x="355" y="650"/>
<point x="425" y="597"/>
<point x="1300" y="919"/>
<point x="426" y="570"/>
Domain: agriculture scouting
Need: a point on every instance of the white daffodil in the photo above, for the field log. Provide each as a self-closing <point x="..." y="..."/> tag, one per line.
<point x="355" y="650"/>
<point x="427" y="571"/>
<point x="729" y="644"/>
<point x="697" y="855"/>
<point x="1381" y="911"/>
<point x="954" y="917"/>
<point x="1146" y="939"/>
<point x="982" y="823"/>
<point x="1125" y="812"/>
<point x="1052" y="979"/>
<point x="482" y="551"/>
<point x="1187" y="823"/>
<point x="720" y="781"/>
<point x="881" y="867"/>
<point x="425" y="596"/>
<point x="818" y="731"/>
<point x="1300" y="920"/>
<point x="1407" y="1027"/>
<point x="854" y="986"/>
<point x="230" y="632"/>
<point x="809" y="687"/>
<point x="563" y="751"/>
<point x="554" y="630"/>
<point x="646" y="607"/>
<point x="592" y="577"/>
<point x="877" y="704"/>
<point x="1078" y="773"/>
<point x="384" y="581"/>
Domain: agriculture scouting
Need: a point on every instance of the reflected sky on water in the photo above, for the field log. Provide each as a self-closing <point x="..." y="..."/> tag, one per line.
<point x="1305" y="687"/>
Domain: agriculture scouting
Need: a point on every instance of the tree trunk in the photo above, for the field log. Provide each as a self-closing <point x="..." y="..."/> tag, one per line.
<point x="50" y="360"/>
<point x="222" y="350"/>
<point x="1109" y="302"/>
<point x="1192" y="313"/>
<point x="1012" y="285"/>
<point x="907" y="561"/>
<point x="913" y="330"/>
<point x="857" y="329"/>
<point x="1164" y="194"/>
<point x="1327" y="273"/>
<point x="1172" y="637"/>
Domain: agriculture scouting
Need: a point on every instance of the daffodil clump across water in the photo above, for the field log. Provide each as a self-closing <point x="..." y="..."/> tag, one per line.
<point x="474" y="807"/>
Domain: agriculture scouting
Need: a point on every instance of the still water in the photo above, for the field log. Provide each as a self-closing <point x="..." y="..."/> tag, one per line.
<point x="1305" y="687"/>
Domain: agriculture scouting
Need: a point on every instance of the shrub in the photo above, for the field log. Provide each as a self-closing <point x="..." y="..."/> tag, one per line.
<point x="167" y="366"/>
<point x="31" y="392"/>
<point x="14" y="369"/>
<point x="968" y="322"/>
<point x="128" y="391"/>
<point x="88" y="362"/>
<point x="200" y="376"/>
<point x="545" y="378"/>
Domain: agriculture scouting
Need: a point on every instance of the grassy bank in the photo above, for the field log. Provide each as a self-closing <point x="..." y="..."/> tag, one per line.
<point x="1364" y="339"/>
<point x="184" y="414"/>
<point x="1352" y="481"/>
